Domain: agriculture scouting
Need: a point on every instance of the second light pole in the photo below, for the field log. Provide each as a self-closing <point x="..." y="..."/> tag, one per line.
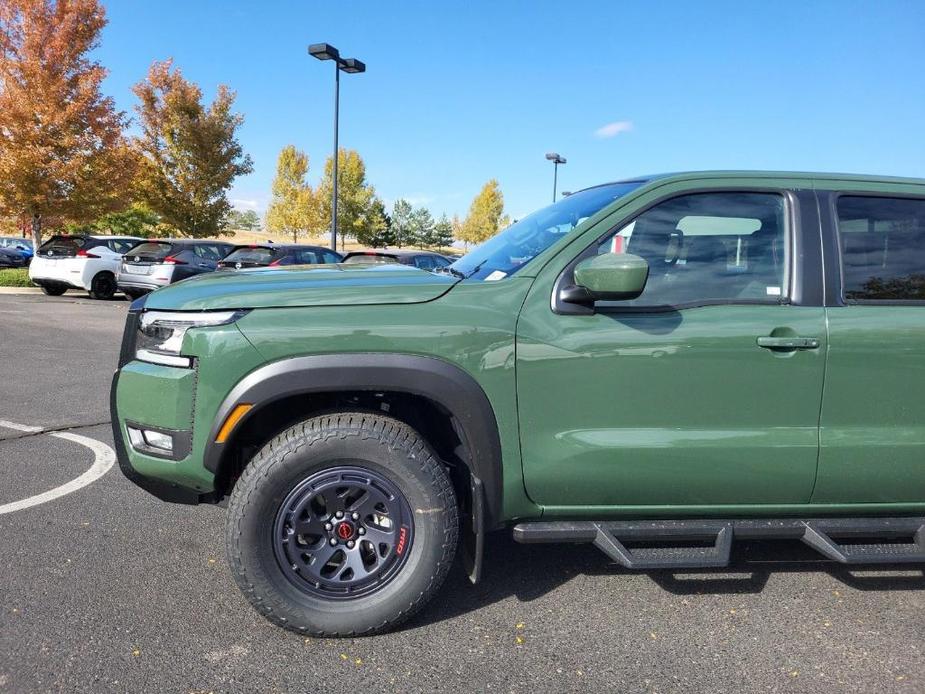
<point x="325" y="51"/>
<point x="556" y="159"/>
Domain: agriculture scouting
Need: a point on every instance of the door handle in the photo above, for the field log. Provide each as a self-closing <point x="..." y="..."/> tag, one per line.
<point x="788" y="343"/>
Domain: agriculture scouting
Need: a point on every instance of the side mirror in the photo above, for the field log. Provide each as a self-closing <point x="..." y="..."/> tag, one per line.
<point x="612" y="276"/>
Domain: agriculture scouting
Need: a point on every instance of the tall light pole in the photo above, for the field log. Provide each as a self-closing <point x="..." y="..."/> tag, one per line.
<point x="556" y="159"/>
<point x="325" y="51"/>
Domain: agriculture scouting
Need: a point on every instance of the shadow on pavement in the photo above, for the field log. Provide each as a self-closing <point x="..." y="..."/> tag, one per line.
<point x="528" y="572"/>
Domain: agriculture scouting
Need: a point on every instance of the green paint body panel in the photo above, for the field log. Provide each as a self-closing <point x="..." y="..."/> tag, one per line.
<point x="873" y="412"/>
<point x="167" y="395"/>
<point x="678" y="407"/>
<point x="319" y="285"/>
<point x="665" y="414"/>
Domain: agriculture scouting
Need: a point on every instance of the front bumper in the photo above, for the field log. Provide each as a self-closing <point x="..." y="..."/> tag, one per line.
<point x="182" y="402"/>
<point x="162" y="489"/>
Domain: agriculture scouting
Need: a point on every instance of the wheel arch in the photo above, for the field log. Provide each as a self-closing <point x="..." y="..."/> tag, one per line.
<point x="297" y="380"/>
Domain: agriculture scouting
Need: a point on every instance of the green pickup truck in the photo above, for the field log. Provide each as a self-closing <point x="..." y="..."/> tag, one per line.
<point x="658" y="366"/>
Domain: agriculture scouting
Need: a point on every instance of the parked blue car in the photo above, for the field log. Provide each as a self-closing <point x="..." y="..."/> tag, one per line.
<point x="18" y="244"/>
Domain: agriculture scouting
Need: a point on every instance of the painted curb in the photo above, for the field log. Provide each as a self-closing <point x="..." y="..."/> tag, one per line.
<point x="20" y="290"/>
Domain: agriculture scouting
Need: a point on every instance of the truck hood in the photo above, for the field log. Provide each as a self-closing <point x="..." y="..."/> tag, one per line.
<point x="306" y="285"/>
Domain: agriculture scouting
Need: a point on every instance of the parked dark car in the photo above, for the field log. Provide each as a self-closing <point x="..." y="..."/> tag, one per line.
<point x="426" y="260"/>
<point x="160" y="262"/>
<point x="12" y="258"/>
<point x="273" y="255"/>
<point x="18" y="244"/>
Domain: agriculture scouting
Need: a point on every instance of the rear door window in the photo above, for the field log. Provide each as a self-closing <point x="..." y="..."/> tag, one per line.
<point x="208" y="251"/>
<point x="308" y="257"/>
<point x="882" y="243"/>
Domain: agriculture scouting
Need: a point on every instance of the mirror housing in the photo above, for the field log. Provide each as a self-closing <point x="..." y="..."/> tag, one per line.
<point x="612" y="276"/>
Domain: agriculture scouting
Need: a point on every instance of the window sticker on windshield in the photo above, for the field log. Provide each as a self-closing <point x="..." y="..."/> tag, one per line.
<point x="496" y="275"/>
<point x="773" y="291"/>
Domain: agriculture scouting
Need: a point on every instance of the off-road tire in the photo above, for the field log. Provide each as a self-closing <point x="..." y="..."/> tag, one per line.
<point x="386" y="447"/>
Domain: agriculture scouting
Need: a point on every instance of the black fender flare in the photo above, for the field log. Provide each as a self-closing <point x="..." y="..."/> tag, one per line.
<point x="435" y="379"/>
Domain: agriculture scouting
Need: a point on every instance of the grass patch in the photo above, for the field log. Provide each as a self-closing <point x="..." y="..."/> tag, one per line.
<point x="17" y="277"/>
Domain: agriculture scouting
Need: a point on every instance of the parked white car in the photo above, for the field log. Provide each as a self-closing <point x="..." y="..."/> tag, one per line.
<point x="80" y="262"/>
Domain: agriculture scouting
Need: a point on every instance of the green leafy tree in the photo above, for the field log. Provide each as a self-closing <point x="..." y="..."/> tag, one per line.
<point x="354" y="194"/>
<point x="295" y="208"/>
<point x="248" y="220"/>
<point x="376" y="232"/>
<point x="135" y="220"/>
<point x="484" y="215"/>
<point x="190" y="153"/>
<point x="63" y="156"/>
<point x="443" y="233"/>
<point x="401" y="221"/>
<point x="422" y="228"/>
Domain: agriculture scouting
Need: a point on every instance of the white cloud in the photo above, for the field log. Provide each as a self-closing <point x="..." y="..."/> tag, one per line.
<point x="419" y="199"/>
<point x="249" y="204"/>
<point x="613" y="129"/>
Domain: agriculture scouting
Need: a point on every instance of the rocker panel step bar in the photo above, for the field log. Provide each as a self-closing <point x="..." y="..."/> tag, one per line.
<point x="827" y="536"/>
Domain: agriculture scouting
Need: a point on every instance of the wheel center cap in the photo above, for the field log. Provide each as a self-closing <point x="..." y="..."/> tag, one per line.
<point x="344" y="530"/>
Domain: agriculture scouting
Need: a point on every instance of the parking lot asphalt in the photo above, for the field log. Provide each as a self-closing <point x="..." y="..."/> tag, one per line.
<point x="108" y="589"/>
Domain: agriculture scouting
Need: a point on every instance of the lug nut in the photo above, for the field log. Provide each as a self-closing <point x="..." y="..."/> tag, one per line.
<point x="350" y="544"/>
<point x="362" y="531"/>
<point x="355" y="515"/>
<point x="328" y="526"/>
<point x="339" y="514"/>
<point x="333" y="541"/>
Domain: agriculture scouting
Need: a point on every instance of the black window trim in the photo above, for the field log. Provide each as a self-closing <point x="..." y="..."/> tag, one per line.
<point x="799" y="254"/>
<point x="835" y="268"/>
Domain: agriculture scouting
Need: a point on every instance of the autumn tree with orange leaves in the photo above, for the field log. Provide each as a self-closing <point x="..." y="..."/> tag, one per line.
<point x="63" y="155"/>
<point x="190" y="154"/>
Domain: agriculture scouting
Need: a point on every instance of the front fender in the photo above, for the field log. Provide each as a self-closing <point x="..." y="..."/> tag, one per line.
<point x="435" y="379"/>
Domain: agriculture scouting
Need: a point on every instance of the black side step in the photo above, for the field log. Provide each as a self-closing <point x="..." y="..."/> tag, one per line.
<point x="819" y="535"/>
<point x="828" y="536"/>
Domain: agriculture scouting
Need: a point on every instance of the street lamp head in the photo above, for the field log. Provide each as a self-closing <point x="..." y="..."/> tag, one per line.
<point x="555" y="157"/>
<point x="352" y="65"/>
<point x="324" y="51"/>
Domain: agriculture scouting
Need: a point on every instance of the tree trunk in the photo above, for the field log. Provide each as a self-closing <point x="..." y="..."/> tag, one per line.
<point x="36" y="231"/>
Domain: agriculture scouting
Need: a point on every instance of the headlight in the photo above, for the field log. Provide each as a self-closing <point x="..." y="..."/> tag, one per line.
<point x="160" y="333"/>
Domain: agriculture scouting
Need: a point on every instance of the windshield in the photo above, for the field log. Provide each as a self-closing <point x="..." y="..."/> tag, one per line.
<point x="15" y="243"/>
<point x="258" y="255"/>
<point x="366" y="258"/>
<point x="510" y="250"/>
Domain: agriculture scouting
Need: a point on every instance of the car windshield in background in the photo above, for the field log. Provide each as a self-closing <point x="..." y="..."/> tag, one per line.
<point x="366" y="258"/>
<point x="251" y="255"/>
<point x="148" y="251"/>
<point x="510" y="250"/>
<point x="15" y="243"/>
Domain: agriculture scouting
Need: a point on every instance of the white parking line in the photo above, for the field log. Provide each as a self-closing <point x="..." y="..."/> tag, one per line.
<point x="103" y="459"/>
<point x="18" y="427"/>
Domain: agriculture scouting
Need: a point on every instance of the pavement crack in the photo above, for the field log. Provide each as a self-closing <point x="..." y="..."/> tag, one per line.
<point x="53" y="430"/>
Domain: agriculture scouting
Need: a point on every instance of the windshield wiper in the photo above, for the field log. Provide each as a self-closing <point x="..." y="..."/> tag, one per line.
<point x="477" y="268"/>
<point x="452" y="271"/>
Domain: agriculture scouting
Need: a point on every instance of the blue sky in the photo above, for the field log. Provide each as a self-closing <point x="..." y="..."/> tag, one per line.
<point x="457" y="93"/>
